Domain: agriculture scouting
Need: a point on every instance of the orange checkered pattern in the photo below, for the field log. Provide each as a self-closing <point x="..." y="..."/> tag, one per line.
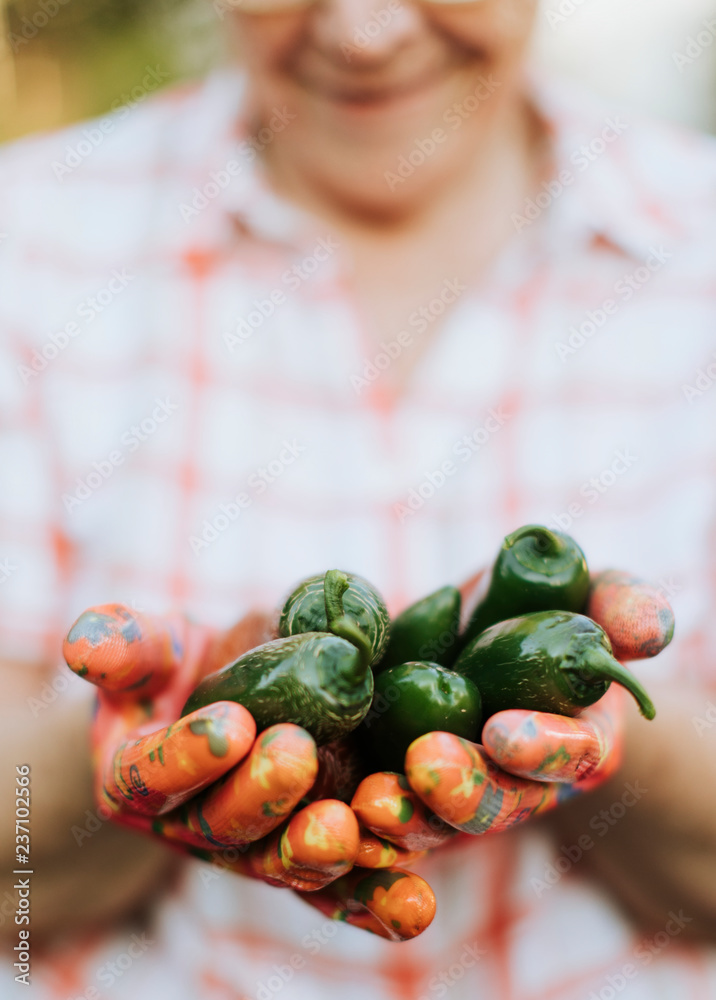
<point x="193" y="417"/>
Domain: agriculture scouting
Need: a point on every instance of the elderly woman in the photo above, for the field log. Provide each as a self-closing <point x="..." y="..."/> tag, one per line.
<point x="371" y="300"/>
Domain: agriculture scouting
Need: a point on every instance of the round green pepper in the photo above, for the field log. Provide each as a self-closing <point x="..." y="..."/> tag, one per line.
<point x="427" y="630"/>
<point x="341" y="603"/>
<point x="549" y="661"/>
<point x="413" y="699"/>
<point x="535" y="570"/>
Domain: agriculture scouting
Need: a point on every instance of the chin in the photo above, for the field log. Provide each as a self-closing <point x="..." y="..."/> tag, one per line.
<point x="370" y="186"/>
<point x="377" y="156"/>
<point x="381" y="162"/>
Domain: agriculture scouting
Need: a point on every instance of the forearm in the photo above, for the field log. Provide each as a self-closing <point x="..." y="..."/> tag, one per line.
<point x="85" y="869"/>
<point x="656" y="851"/>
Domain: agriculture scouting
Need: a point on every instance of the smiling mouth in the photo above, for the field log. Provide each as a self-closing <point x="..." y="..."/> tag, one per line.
<point x="373" y="96"/>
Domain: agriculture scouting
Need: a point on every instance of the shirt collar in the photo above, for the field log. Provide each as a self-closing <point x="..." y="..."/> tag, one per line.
<point x="607" y="191"/>
<point x="254" y="207"/>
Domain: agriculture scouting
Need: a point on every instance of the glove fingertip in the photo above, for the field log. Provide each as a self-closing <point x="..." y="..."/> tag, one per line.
<point x="120" y="651"/>
<point x="636" y="615"/>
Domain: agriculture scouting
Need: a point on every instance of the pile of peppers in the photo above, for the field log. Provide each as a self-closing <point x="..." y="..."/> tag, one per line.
<point x="342" y="669"/>
<point x="343" y="727"/>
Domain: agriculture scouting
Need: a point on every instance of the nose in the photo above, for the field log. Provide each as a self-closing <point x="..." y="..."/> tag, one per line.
<point x="365" y="31"/>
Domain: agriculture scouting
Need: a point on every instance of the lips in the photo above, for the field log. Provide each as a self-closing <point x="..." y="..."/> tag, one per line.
<point x="367" y="86"/>
<point x="376" y="94"/>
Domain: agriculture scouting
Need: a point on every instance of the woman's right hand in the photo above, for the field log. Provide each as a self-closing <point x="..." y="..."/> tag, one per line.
<point x="207" y="785"/>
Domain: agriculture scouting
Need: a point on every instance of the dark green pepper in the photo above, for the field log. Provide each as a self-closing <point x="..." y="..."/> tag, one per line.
<point x="316" y="680"/>
<point x="549" y="661"/>
<point x="413" y="699"/>
<point x="535" y="570"/>
<point x="427" y="630"/>
<point x="341" y="603"/>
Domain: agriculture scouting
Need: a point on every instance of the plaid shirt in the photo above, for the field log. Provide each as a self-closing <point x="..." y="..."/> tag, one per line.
<point x="192" y="415"/>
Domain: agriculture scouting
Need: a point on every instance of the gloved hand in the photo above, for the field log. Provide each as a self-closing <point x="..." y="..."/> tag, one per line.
<point x="205" y="784"/>
<point x="528" y="761"/>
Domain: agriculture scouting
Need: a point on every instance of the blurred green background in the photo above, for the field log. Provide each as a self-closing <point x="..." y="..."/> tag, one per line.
<point x="61" y="60"/>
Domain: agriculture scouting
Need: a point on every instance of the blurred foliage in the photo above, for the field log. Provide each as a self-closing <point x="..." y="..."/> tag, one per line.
<point x="90" y="16"/>
<point x="63" y="60"/>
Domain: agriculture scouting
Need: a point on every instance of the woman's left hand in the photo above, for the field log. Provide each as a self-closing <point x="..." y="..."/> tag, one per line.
<point x="531" y="761"/>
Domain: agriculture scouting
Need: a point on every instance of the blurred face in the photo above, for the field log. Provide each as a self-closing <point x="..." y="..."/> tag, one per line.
<point x="390" y="97"/>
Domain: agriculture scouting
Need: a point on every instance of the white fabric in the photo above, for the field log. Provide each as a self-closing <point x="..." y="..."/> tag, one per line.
<point x="172" y="283"/>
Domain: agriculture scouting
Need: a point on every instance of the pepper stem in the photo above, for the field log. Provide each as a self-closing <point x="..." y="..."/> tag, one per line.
<point x="335" y="584"/>
<point x="601" y="665"/>
<point x="546" y="542"/>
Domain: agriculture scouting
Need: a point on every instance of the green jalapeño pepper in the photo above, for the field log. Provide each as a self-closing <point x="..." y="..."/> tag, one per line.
<point x="549" y="661"/>
<point x="413" y="699"/>
<point x="427" y="630"/>
<point x="536" y="570"/>
<point x="316" y="680"/>
<point x="341" y="603"/>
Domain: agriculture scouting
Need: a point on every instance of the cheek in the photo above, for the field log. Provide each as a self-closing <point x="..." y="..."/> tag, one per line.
<point x="501" y="28"/>
<point x="264" y="43"/>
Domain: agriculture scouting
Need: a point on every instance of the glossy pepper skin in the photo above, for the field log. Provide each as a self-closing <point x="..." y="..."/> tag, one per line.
<point x="535" y="570"/>
<point x="341" y="603"/>
<point x="317" y="681"/>
<point x="549" y="661"/>
<point x="413" y="699"/>
<point x="427" y="630"/>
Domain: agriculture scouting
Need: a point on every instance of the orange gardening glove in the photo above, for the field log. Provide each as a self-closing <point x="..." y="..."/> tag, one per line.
<point x="205" y="783"/>
<point x="528" y="761"/>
